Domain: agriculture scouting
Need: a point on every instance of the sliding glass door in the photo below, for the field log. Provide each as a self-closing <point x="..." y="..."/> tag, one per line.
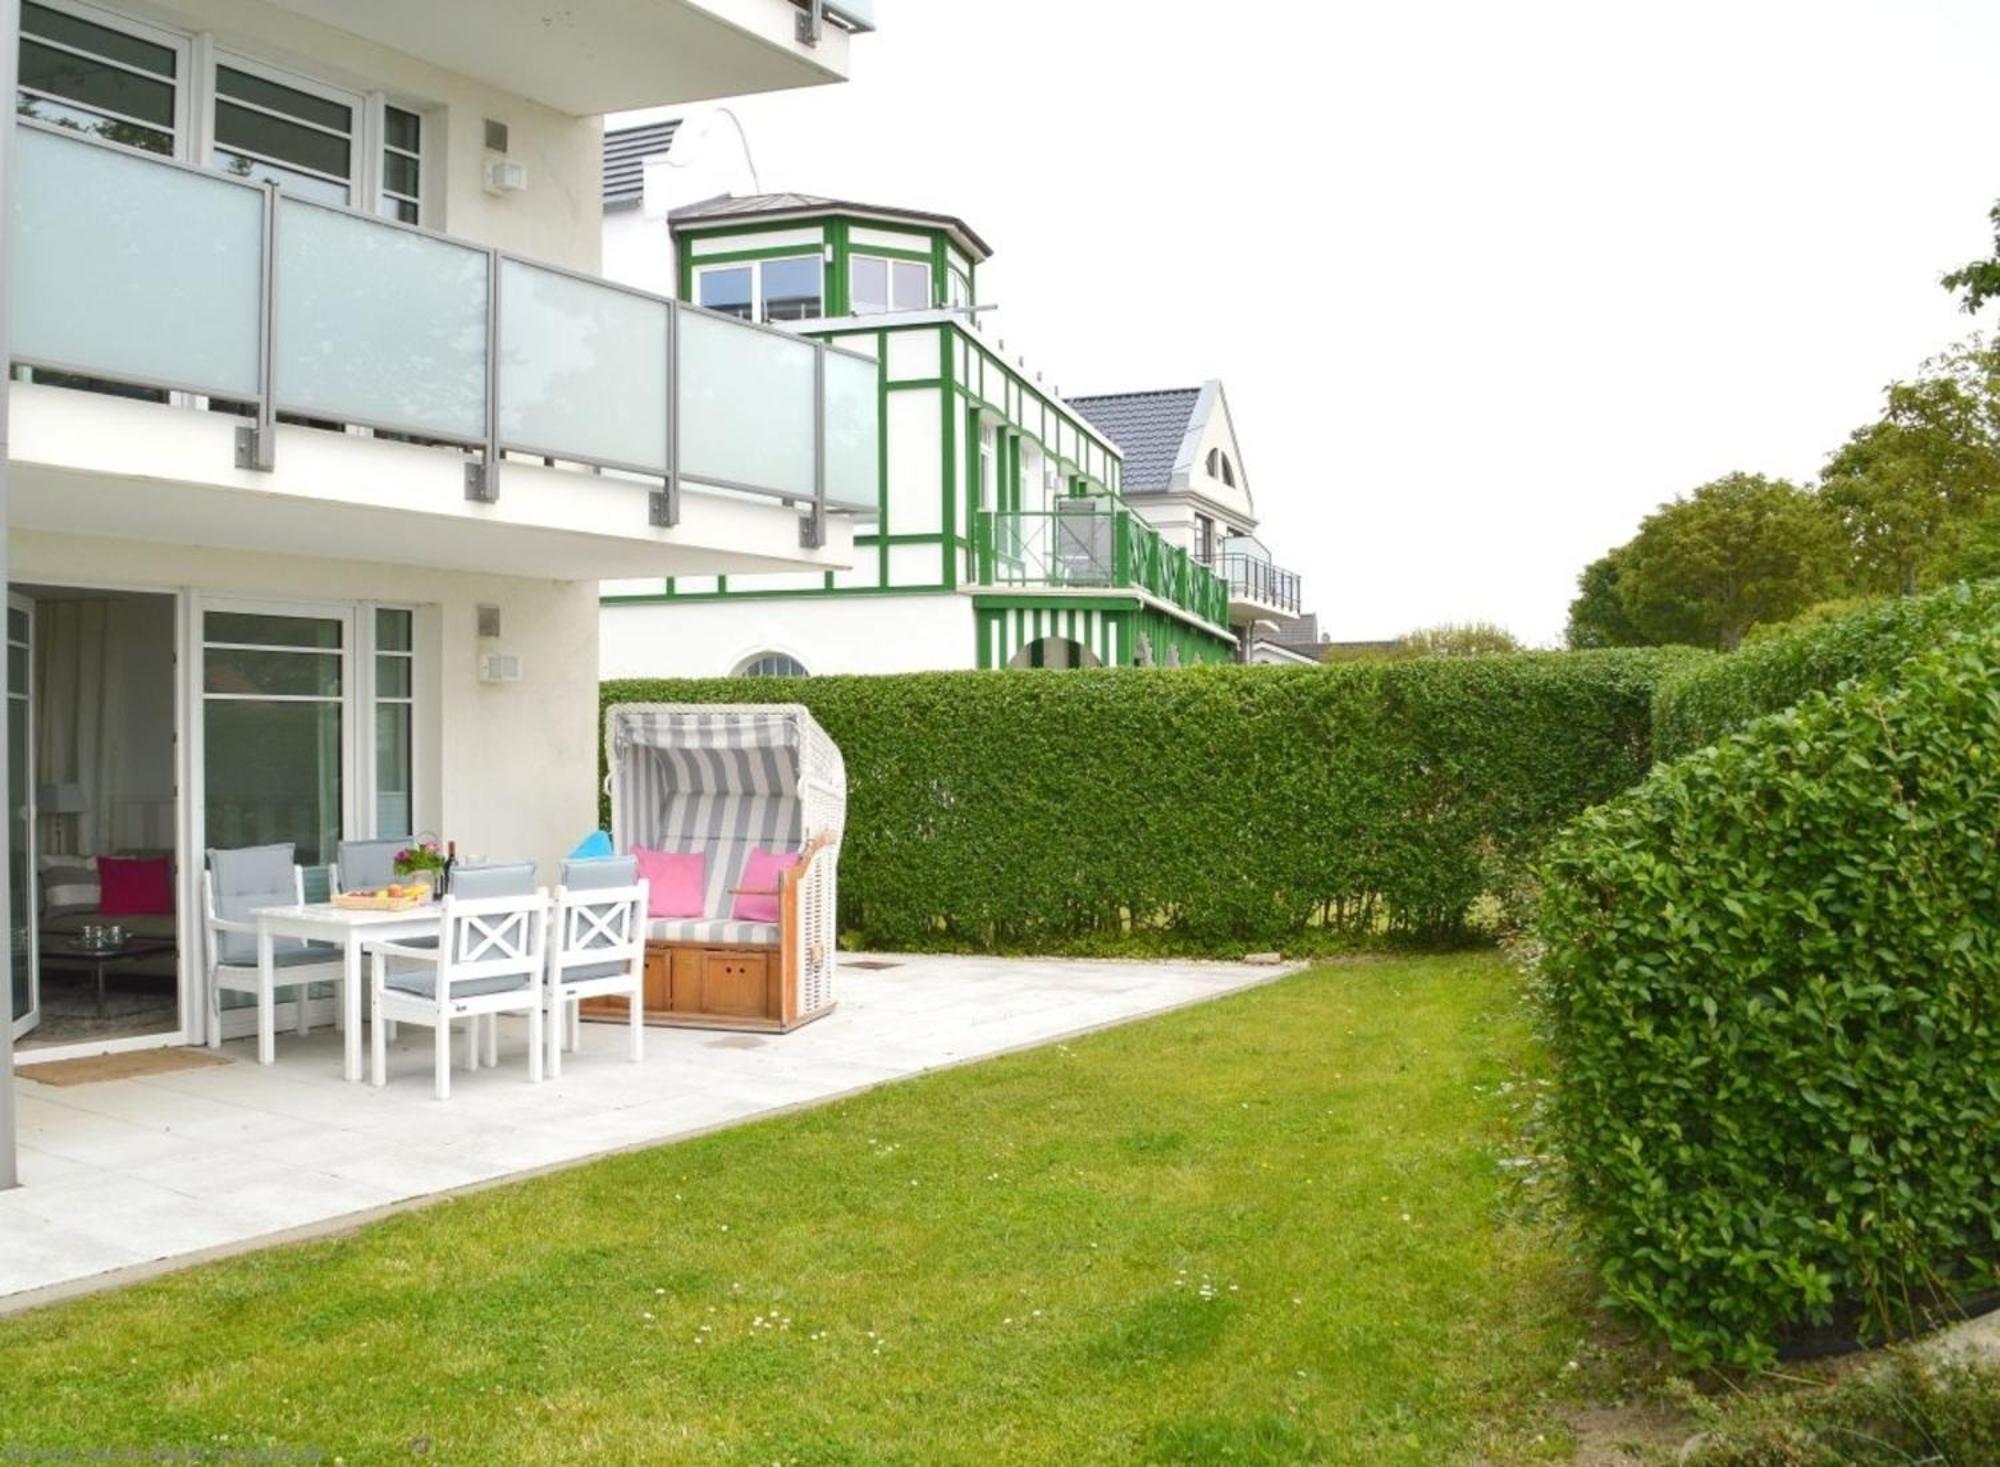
<point x="23" y="962"/>
<point x="276" y="683"/>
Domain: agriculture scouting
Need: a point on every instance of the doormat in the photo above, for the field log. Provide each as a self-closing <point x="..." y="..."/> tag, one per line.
<point x="133" y="1064"/>
<point x="869" y="965"/>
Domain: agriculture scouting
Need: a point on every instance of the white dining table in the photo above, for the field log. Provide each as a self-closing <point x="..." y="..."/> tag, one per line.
<point x="346" y="929"/>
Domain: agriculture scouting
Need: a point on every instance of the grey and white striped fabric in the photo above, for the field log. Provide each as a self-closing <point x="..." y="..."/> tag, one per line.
<point x="722" y="783"/>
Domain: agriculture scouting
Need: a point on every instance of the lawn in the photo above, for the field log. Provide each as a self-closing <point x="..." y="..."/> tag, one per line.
<point x="1272" y="1228"/>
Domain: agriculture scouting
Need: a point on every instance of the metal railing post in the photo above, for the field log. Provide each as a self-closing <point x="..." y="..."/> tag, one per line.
<point x="257" y="443"/>
<point x="665" y="502"/>
<point x="482" y="479"/>
<point x="812" y="529"/>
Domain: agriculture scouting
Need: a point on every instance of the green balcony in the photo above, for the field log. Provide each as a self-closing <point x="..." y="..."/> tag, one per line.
<point x="1091" y="544"/>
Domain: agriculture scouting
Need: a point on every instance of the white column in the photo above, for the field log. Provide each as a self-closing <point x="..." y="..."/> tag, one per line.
<point x="10" y="49"/>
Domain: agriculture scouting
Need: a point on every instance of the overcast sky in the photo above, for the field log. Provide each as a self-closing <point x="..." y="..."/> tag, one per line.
<point x="1484" y="282"/>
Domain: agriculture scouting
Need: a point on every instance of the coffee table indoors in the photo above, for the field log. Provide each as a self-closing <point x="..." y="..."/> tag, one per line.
<point x="69" y="952"/>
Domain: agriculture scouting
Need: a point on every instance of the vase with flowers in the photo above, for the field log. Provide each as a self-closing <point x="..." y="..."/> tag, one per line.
<point x="425" y="860"/>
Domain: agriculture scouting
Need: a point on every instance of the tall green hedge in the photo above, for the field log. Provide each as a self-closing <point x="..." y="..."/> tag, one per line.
<point x="1703" y="699"/>
<point x="1773" y="977"/>
<point x="1207" y="809"/>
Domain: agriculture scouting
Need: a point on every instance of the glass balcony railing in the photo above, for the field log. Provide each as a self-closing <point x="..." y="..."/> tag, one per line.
<point x="1253" y="578"/>
<point x="1093" y="543"/>
<point x="138" y="270"/>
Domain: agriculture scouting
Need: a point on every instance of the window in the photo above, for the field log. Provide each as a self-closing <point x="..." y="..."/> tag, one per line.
<point x="121" y="84"/>
<point x="395" y="722"/>
<point x="402" y="165"/>
<point x="773" y="664"/>
<point x="989" y="474"/>
<point x="283" y="133"/>
<point x="1204" y="539"/>
<point x="732" y="291"/>
<point x="876" y="285"/>
<point x="958" y="291"/>
<point x="787" y="289"/>
<point x="1219" y="467"/>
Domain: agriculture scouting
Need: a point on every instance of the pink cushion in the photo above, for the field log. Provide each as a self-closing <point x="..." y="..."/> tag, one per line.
<point x="760" y="873"/>
<point x="674" y="881"/>
<point x="135" y="888"/>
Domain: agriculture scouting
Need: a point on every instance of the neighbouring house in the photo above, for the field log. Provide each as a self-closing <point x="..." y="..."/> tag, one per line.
<point x="1002" y="527"/>
<point x="325" y="429"/>
<point x="1184" y="472"/>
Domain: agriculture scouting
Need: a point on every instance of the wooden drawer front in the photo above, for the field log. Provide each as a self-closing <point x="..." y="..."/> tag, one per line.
<point x="733" y="983"/>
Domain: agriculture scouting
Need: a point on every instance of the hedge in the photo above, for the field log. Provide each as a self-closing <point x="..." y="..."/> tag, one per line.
<point x="1772" y="973"/>
<point x="1706" y="698"/>
<point x="1207" y="809"/>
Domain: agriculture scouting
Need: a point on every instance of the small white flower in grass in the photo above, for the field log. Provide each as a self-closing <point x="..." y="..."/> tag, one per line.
<point x="1406" y="1217"/>
<point x="659" y="1291"/>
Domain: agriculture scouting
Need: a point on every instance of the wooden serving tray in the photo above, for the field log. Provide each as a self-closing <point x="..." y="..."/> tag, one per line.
<point x="355" y="901"/>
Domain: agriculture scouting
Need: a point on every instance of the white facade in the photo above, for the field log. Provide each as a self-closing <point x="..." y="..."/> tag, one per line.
<point x="398" y="595"/>
<point x="851" y="634"/>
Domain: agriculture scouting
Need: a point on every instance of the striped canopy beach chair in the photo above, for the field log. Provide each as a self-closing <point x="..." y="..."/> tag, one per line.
<point x="725" y="780"/>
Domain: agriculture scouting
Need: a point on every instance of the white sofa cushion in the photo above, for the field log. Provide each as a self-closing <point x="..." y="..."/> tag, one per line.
<point x="720" y="931"/>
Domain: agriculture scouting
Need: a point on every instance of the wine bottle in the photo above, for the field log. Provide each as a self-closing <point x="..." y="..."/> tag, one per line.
<point x="450" y="864"/>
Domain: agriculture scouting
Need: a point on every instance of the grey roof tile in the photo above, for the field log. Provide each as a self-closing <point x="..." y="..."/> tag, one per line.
<point x="625" y="153"/>
<point x="1147" y="427"/>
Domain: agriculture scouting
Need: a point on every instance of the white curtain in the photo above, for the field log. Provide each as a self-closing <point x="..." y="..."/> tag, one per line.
<point x="104" y="719"/>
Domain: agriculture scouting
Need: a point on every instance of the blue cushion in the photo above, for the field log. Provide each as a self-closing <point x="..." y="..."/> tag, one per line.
<point x="588" y="971"/>
<point x="600" y="873"/>
<point x="368" y="863"/>
<point x="592" y="847"/>
<point x="475" y="883"/>
<point x="423" y="983"/>
<point x="246" y="879"/>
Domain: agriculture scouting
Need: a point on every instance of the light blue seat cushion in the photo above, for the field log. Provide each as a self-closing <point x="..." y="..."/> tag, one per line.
<point x="246" y="879"/>
<point x="422" y="982"/>
<point x="591" y="847"/>
<point x="368" y="863"/>
<point x="476" y="883"/>
<point x="600" y="873"/>
<point x="704" y="929"/>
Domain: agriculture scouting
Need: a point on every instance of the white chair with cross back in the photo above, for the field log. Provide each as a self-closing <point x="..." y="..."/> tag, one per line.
<point x="597" y="949"/>
<point x="234" y="885"/>
<point x="489" y="960"/>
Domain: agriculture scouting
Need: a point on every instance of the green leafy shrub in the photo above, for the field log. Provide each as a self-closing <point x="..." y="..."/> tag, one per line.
<point x="1772" y="974"/>
<point x="1207" y="809"/>
<point x="1701" y="700"/>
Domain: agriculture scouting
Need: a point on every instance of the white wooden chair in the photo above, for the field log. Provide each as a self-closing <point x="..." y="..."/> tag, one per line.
<point x="597" y="949"/>
<point x="489" y="960"/>
<point x="234" y="885"/>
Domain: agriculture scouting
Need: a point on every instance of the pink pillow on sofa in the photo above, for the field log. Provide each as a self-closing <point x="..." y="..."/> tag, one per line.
<point x="135" y="887"/>
<point x="674" y="881"/>
<point x="760" y="872"/>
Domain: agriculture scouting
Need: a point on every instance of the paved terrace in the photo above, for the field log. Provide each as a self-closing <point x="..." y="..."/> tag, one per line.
<point x="126" y="1178"/>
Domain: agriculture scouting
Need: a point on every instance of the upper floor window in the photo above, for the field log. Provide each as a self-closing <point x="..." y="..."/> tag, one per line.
<point x="1204" y="539"/>
<point x="958" y="291"/>
<point x="772" y="664"/>
<point x="122" y="84"/>
<point x="290" y="132"/>
<point x="786" y="289"/>
<point x="1219" y="467"/>
<point x="876" y="285"/>
<point x="127" y="82"/>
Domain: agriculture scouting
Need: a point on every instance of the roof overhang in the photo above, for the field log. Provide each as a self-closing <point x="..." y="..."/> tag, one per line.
<point x="586" y="57"/>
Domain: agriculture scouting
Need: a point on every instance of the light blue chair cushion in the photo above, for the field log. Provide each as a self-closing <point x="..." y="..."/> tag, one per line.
<point x="246" y="879"/>
<point x="593" y="846"/>
<point x="297" y="957"/>
<point x="368" y="863"/>
<point x="600" y="873"/>
<point x="476" y="883"/>
<point x="423" y="983"/>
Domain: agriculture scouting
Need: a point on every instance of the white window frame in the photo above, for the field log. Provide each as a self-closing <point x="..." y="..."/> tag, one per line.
<point x="756" y="269"/>
<point x="363" y="169"/>
<point x="890" y="264"/>
<point x="745" y="664"/>
<point x="186" y="72"/>
<point x="196" y="57"/>
<point x="372" y="699"/>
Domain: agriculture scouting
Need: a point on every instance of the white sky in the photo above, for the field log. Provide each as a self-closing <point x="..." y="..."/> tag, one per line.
<point x="1484" y="282"/>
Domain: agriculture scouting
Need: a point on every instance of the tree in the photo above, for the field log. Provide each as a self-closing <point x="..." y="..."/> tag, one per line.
<point x="1741" y="550"/>
<point x="1597" y="618"/>
<point x="1906" y="487"/>
<point x="1978" y="281"/>
<point x="1458" y="639"/>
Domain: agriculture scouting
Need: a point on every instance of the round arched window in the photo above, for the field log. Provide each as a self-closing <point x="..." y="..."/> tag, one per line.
<point x="772" y="664"/>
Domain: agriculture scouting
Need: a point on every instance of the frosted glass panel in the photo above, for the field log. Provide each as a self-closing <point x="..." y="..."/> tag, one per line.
<point x="379" y="324"/>
<point x="127" y="268"/>
<point x="853" y="430"/>
<point x="583" y="368"/>
<point x="746" y="401"/>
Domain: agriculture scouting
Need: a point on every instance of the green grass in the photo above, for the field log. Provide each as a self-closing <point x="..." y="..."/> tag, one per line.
<point x="1269" y="1229"/>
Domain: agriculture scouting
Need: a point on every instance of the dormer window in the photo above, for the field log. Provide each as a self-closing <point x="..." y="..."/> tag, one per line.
<point x="877" y="285"/>
<point x="784" y="289"/>
<point x="1219" y="467"/>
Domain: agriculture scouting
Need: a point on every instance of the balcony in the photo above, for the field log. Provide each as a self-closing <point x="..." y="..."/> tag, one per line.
<point x="593" y="405"/>
<point x="1091" y="544"/>
<point x="1257" y="588"/>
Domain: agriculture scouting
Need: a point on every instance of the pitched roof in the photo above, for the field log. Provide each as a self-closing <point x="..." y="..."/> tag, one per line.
<point x="765" y="206"/>
<point x="625" y="153"/>
<point x="1148" y="428"/>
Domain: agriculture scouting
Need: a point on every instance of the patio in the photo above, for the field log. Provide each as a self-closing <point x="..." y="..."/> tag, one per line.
<point x="124" y="1178"/>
